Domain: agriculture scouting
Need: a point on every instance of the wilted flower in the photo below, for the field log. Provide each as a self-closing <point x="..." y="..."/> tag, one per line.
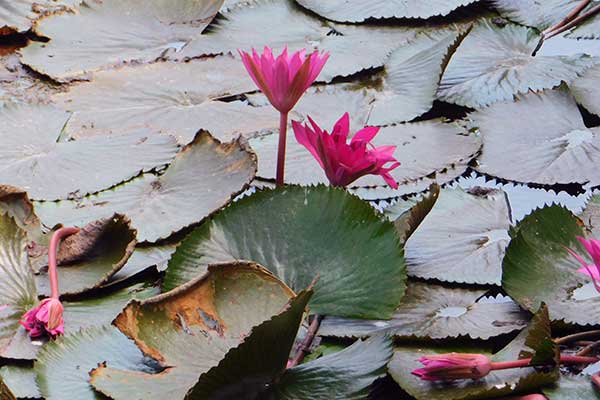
<point x="45" y="319"/>
<point x="344" y="162"/>
<point x="592" y="246"/>
<point x="453" y="366"/>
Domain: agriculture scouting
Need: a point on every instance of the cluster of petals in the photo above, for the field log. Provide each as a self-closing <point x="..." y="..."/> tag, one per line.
<point x="46" y="319"/>
<point x="345" y="162"/>
<point x="592" y="246"/>
<point x="453" y="366"/>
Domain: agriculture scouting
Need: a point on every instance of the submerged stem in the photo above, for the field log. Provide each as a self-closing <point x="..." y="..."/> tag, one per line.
<point x="577" y="336"/>
<point x="52" y="253"/>
<point x="306" y="344"/>
<point x="283" y="118"/>
<point x="526" y="362"/>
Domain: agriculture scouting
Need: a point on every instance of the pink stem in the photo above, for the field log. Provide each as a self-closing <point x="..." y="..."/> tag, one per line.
<point x="52" y="252"/>
<point x="525" y="362"/>
<point x="283" y="118"/>
<point x="574" y="13"/>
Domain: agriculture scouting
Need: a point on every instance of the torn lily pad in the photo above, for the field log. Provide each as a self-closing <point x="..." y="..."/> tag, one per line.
<point x="36" y="157"/>
<point x="204" y="177"/>
<point x="18" y="382"/>
<point x="342" y="232"/>
<point x="18" y="16"/>
<point x="431" y="311"/>
<point x="540" y="138"/>
<point x="131" y="30"/>
<point x="495" y="64"/>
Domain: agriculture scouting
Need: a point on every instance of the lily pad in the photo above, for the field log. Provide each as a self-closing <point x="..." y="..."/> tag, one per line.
<point x="131" y="30"/>
<point x="173" y="98"/>
<point x="431" y="311"/>
<point x="276" y="227"/>
<point x="359" y="11"/>
<point x="540" y="139"/>
<point x="204" y="176"/>
<point x="143" y="258"/>
<point x="591" y="215"/>
<point x="408" y="218"/>
<point x="572" y="387"/>
<point x="494" y="64"/>
<point x="584" y="90"/>
<point x="443" y="247"/>
<point x="210" y="315"/>
<point x="18" y="15"/>
<point x="497" y="383"/>
<point x="35" y="158"/>
<point x="19" y="381"/>
<point x="277" y="24"/>
<point x="537" y="253"/>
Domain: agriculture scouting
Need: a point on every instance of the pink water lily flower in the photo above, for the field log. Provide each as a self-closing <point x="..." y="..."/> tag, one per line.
<point x="45" y="320"/>
<point x="453" y="366"/>
<point x="345" y="162"/>
<point x="592" y="246"/>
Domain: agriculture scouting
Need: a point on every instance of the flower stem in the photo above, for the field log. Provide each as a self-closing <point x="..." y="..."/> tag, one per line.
<point x="52" y="253"/>
<point x="304" y="348"/>
<point x="575" y="12"/>
<point x="588" y="348"/>
<point x="577" y="336"/>
<point x="525" y="362"/>
<point x="283" y="118"/>
<point x="593" y="11"/>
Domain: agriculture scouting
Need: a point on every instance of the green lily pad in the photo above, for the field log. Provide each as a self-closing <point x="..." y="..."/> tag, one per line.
<point x="19" y="381"/>
<point x="497" y="383"/>
<point x="557" y="149"/>
<point x="18" y="15"/>
<point x="584" y="90"/>
<point x="277" y="24"/>
<point x="35" y="158"/>
<point x="144" y="258"/>
<point x="88" y="259"/>
<point x="494" y="64"/>
<point x="572" y="387"/>
<point x="174" y="98"/>
<point x="130" y="31"/>
<point x="276" y="227"/>
<point x="537" y="253"/>
<point x="204" y="177"/>
<point x="431" y="311"/>
<point x="210" y="315"/>
<point x="443" y="247"/>
<point x="359" y="11"/>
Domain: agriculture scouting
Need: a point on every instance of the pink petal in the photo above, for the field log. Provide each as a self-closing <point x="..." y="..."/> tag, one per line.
<point x="365" y="135"/>
<point x="341" y="129"/>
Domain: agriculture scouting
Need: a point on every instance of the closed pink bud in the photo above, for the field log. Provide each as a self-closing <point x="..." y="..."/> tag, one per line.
<point x="453" y="366"/>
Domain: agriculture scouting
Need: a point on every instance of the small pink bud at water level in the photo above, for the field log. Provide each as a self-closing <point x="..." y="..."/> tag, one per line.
<point x="453" y="366"/>
<point x="345" y="162"/>
<point x="45" y="320"/>
<point x="592" y="246"/>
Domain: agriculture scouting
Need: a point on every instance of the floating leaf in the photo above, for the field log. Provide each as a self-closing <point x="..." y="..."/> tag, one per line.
<point x="209" y="315"/>
<point x="443" y="247"/>
<point x="494" y="64"/>
<point x="572" y="387"/>
<point x="540" y="139"/>
<point x="18" y="15"/>
<point x="144" y="258"/>
<point x="277" y="227"/>
<point x="33" y="156"/>
<point x="174" y="98"/>
<point x="585" y="90"/>
<point x="19" y="381"/>
<point x="358" y="11"/>
<point x="431" y="311"/>
<point x="497" y="383"/>
<point x="132" y="30"/>
<point x="277" y="24"/>
<point x="408" y="220"/>
<point x="537" y="253"/>
<point x="204" y="176"/>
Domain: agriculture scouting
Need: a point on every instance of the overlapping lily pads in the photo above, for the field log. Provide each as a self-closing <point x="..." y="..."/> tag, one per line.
<point x="18" y="15"/>
<point x="204" y="177"/>
<point x="276" y="228"/>
<point x="430" y="311"/>
<point x="584" y="90"/>
<point x="541" y="139"/>
<point x="92" y="38"/>
<point x="18" y="382"/>
<point x="358" y="10"/>
<point x="495" y="64"/>
<point x="36" y="157"/>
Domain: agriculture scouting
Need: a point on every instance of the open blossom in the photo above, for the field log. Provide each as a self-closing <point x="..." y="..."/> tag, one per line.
<point x="345" y="162"/>
<point x="447" y="367"/>
<point x="592" y="246"/>
<point x="283" y="79"/>
<point x="45" y="320"/>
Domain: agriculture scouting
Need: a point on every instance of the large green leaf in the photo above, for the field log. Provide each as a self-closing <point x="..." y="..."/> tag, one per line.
<point x="572" y="387"/>
<point x="449" y="248"/>
<point x="18" y="15"/>
<point x="204" y="177"/>
<point x="300" y="233"/>
<point x="20" y="381"/>
<point x="556" y="148"/>
<point x="33" y="156"/>
<point x="431" y="311"/>
<point x="174" y="98"/>
<point x="280" y="23"/>
<point x="189" y="330"/>
<point x="358" y="10"/>
<point x="585" y="90"/>
<point x="537" y="253"/>
<point x="111" y="32"/>
<point x="497" y="383"/>
<point x="494" y="64"/>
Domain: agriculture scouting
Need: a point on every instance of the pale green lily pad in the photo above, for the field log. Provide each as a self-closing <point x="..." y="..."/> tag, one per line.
<point x="131" y="30"/>
<point x="495" y="64"/>
<point x="585" y="90"/>
<point x="572" y="387"/>
<point x="19" y="381"/>
<point x="204" y="177"/>
<point x="19" y="15"/>
<point x="35" y="158"/>
<point x="342" y="232"/>
<point x="143" y="258"/>
<point x="540" y="138"/>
